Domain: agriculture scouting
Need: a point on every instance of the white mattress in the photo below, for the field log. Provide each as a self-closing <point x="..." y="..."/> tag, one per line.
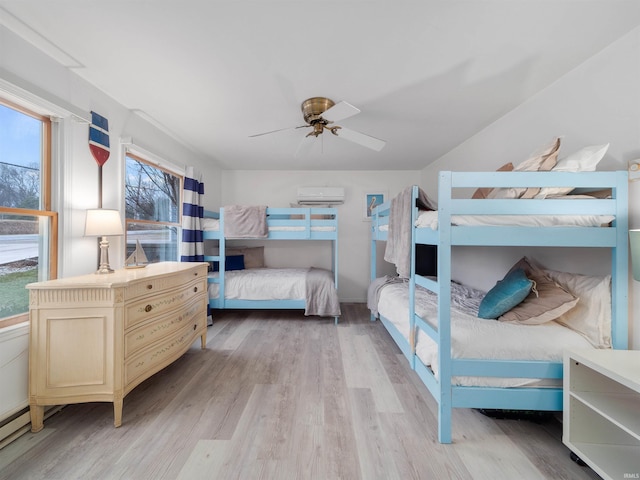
<point x="262" y="284"/>
<point x="473" y="337"/>
<point x="429" y="219"/>
<point x="280" y="228"/>
<point x="213" y="224"/>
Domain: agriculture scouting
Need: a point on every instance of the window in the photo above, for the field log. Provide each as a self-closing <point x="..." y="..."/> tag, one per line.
<point x="152" y="209"/>
<point x="28" y="227"/>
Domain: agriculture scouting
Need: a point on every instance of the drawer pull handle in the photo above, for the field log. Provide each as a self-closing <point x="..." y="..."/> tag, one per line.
<point x="195" y="326"/>
<point x="195" y="289"/>
<point x="148" y="308"/>
<point x="149" y="287"/>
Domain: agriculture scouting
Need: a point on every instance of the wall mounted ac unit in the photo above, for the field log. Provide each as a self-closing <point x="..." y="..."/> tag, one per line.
<point x="320" y="195"/>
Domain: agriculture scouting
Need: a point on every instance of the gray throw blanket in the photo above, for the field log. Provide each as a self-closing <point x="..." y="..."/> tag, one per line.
<point x="375" y="287"/>
<point x="321" y="297"/>
<point x="398" y="248"/>
<point x="245" y="221"/>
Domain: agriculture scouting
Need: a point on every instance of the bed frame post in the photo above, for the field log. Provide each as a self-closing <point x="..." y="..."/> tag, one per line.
<point x="373" y="256"/>
<point x="620" y="265"/>
<point x="444" y="306"/>
<point x="334" y="244"/>
<point x="221" y="261"/>
<point x="412" y="277"/>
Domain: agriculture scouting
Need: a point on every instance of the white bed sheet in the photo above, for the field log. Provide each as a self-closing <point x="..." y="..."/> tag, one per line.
<point x="473" y="337"/>
<point x="262" y="284"/>
<point x="280" y="228"/>
<point x="429" y="219"/>
<point x="213" y="224"/>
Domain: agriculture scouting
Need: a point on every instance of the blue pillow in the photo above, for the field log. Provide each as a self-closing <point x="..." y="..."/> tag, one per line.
<point x="508" y="292"/>
<point x="231" y="262"/>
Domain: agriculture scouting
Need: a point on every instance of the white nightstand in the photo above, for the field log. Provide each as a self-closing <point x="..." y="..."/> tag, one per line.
<point x="601" y="417"/>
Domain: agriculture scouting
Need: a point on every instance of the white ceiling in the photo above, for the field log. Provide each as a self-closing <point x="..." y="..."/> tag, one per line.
<point x="426" y="74"/>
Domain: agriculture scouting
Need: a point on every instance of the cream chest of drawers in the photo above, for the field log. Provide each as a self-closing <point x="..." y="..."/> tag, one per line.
<point x="93" y="338"/>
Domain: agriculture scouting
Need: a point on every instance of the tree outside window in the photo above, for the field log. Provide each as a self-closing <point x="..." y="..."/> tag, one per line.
<point x="28" y="229"/>
<point x="152" y="209"/>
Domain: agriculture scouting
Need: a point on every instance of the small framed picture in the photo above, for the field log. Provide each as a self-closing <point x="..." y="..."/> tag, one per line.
<point x="372" y="200"/>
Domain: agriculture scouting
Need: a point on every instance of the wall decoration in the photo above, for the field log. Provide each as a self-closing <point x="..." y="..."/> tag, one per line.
<point x="99" y="138"/>
<point x="99" y="146"/>
<point x="372" y="200"/>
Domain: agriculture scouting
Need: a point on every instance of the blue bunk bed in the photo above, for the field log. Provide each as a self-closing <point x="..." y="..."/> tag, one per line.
<point x="448" y="234"/>
<point x="283" y="224"/>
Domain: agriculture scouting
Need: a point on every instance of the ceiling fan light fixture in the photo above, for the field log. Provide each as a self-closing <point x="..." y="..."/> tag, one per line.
<point x="313" y="108"/>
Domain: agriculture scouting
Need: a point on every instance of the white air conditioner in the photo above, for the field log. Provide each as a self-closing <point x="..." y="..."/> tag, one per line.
<point x="320" y="195"/>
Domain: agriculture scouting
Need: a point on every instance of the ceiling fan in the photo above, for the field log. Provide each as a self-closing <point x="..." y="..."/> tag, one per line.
<point x="320" y="114"/>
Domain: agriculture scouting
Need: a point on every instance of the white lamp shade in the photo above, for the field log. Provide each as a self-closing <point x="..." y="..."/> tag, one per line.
<point x="102" y="222"/>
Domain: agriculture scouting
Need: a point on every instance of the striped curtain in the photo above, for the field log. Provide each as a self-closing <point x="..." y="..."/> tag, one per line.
<point x="192" y="246"/>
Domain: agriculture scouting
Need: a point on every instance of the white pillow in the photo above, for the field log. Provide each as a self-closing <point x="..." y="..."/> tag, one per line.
<point x="591" y="317"/>
<point x="210" y="224"/>
<point x="584" y="160"/>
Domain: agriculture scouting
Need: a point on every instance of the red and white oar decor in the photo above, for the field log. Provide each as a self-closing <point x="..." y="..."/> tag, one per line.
<point x="99" y="146"/>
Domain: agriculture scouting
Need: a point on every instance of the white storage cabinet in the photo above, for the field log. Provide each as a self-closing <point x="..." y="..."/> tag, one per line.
<point x="601" y="412"/>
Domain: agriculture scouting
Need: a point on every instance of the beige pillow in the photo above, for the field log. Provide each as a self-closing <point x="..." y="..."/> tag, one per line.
<point x="484" y="192"/>
<point x="545" y="166"/>
<point x="540" y="162"/>
<point x="253" y="256"/>
<point x="547" y="300"/>
<point x="591" y="317"/>
<point x="604" y="193"/>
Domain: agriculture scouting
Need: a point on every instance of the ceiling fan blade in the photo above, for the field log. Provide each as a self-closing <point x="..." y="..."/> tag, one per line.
<point x="340" y="111"/>
<point x="279" y="130"/>
<point x="361" y="139"/>
<point x="304" y="147"/>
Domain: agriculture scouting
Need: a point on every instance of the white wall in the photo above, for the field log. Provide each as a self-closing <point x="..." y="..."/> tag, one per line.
<point x="14" y="369"/>
<point x="279" y="189"/>
<point x="598" y="102"/>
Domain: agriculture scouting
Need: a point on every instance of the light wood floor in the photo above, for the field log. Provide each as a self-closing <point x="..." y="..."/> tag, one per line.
<point x="280" y="396"/>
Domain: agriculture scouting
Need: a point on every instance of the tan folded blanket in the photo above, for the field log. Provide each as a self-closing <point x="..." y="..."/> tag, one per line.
<point x="398" y="248"/>
<point x="321" y="297"/>
<point x="245" y="221"/>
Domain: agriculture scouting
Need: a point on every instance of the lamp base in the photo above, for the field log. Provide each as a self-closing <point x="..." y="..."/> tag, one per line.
<point x="106" y="269"/>
<point x="104" y="257"/>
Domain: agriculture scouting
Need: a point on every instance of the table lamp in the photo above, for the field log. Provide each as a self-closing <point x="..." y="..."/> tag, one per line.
<point x="102" y="222"/>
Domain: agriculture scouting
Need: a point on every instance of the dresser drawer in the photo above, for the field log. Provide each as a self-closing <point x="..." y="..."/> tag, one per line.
<point x="147" y="333"/>
<point x="157" y="356"/>
<point x="166" y="282"/>
<point x="152" y="306"/>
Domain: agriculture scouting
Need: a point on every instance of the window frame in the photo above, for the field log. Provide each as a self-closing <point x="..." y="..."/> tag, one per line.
<point x="45" y="201"/>
<point x="178" y="223"/>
